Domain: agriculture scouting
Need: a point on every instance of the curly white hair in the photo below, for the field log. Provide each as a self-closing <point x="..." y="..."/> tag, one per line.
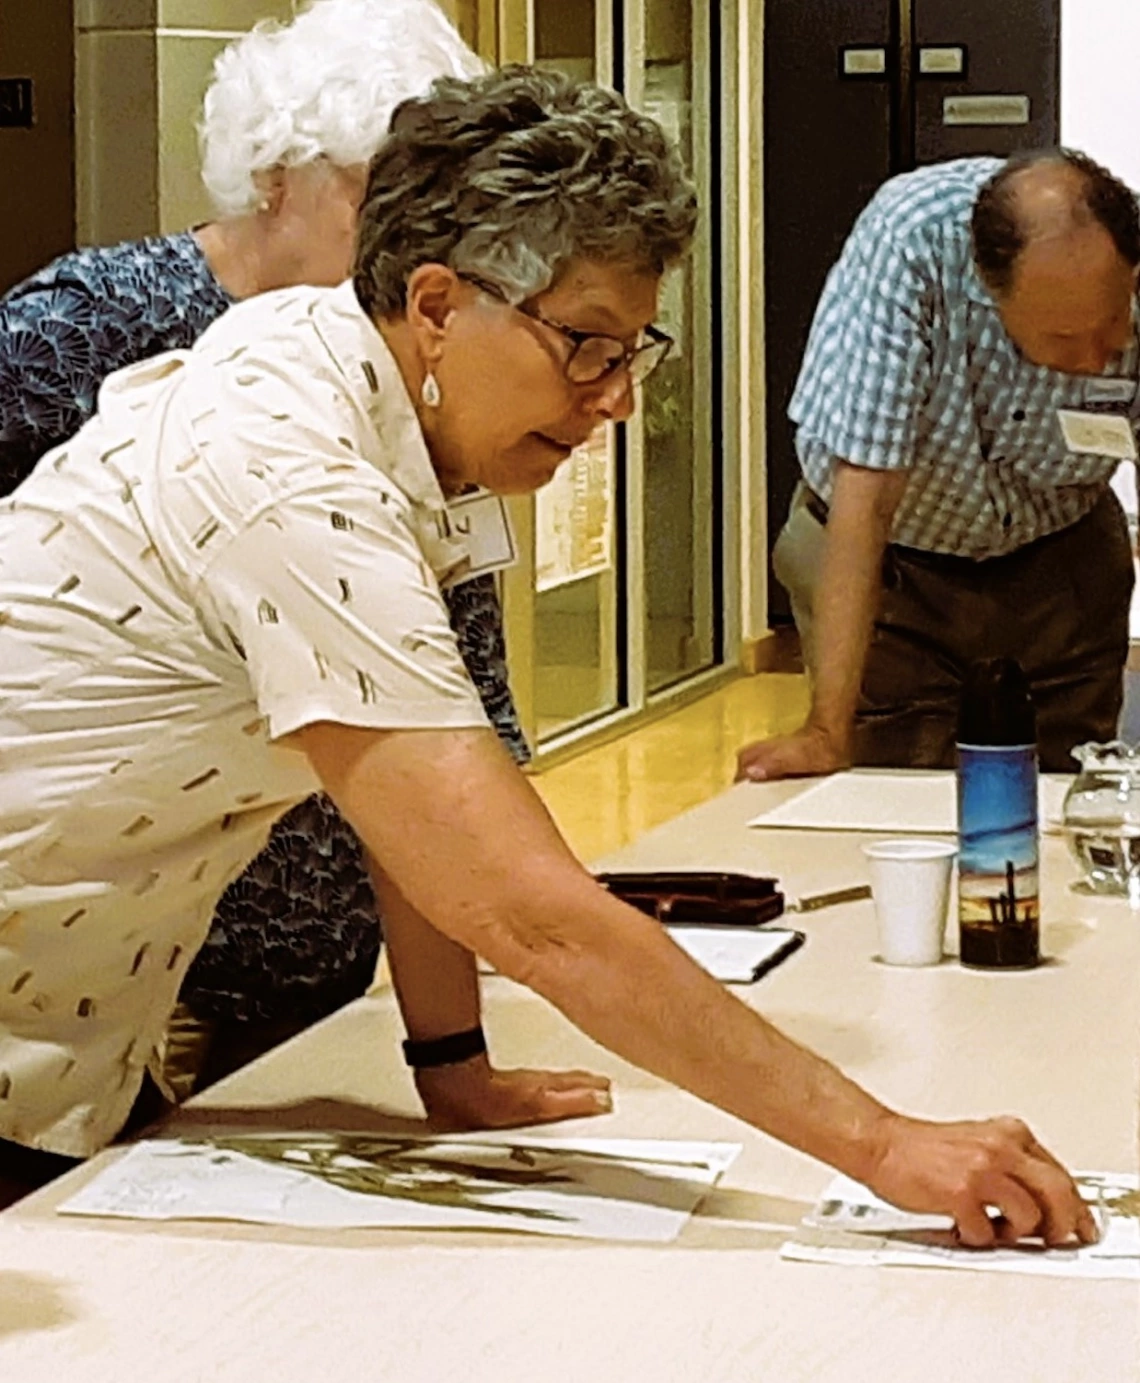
<point x="323" y="86"/>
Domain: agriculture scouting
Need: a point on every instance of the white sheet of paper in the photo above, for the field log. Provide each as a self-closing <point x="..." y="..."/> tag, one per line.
<point x="731" y="954"/>
<point x="626" y="1189"/>
<point x="1098" y="434"/>
<point x="850" y="1226"/>
<point x="909" y="803"/>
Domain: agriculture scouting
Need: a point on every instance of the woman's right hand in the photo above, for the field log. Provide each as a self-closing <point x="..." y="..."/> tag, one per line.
<point x="968" y="1170"/>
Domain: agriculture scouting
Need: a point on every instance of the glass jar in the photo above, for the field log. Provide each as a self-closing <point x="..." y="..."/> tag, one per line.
<point x="1102" y="818"/>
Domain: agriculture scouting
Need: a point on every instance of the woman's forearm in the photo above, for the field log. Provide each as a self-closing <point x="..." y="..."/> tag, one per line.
<point x="435" y="978"/>
<point x="628" y="986"/>
<point x="473" y="849"/>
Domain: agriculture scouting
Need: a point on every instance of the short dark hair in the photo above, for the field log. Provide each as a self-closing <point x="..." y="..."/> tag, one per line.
<point x="1000" y="232"/>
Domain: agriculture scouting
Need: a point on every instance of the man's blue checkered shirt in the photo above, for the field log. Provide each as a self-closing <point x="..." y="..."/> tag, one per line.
<point x="908" y="367"/>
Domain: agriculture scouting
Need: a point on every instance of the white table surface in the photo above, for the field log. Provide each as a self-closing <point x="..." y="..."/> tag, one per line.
<point x="95" y="1300"/>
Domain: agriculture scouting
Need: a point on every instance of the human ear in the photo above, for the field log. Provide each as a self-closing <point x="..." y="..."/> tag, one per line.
<point x="432" y="297"/>
<point x="271" y="190"/>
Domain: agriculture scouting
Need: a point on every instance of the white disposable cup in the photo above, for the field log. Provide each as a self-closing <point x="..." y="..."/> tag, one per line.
<point x="910" y="883"/>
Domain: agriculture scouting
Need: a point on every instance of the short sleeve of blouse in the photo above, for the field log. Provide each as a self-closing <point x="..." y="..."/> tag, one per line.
<point x="329" y="602"/>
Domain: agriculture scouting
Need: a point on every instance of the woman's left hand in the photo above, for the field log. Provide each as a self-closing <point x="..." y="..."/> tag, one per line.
<point x="474" y="1095"/>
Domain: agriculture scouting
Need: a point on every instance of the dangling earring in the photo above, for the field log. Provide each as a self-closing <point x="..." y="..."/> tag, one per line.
<point x="430" y="391"/>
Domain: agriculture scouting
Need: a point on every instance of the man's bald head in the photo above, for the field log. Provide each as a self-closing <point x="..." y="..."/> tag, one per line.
<point x="1057" y="242"/>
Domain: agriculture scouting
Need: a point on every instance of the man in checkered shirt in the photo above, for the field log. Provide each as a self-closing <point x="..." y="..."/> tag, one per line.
<point x="969" y="389"/>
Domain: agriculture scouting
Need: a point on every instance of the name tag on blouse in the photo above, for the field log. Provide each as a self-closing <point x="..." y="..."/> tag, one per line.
<point x="1098" y="434"/>
<point x="480" y="521"/>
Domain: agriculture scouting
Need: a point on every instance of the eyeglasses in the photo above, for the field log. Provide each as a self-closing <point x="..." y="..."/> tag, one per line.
<point x="592" y="357"/>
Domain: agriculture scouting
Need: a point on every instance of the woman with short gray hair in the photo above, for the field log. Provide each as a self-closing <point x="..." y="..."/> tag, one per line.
<point x="590" y="181"/>
<point x="229" y="591"/>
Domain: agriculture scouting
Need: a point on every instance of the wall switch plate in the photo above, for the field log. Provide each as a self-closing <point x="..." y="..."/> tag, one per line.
<point x="16" y="109"/>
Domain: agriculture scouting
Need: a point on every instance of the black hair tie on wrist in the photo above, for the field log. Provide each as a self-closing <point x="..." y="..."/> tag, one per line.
<point x="445" y="1051"/>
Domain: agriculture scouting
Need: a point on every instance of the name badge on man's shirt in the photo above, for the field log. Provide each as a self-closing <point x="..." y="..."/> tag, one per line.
<point x="1109" y="391"/>
<point x="480" y="521"/>
<point x="1098" y="434"/>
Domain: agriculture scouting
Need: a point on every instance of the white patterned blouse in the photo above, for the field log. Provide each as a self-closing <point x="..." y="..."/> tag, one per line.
<point x="247" y="538"/>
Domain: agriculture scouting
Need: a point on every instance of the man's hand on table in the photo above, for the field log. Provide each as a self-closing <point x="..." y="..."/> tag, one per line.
<point x="807" y="753"/>
<point x="474" y="1095"/>
<point x="846" y="596"/>
<point x="961" y="1169"/>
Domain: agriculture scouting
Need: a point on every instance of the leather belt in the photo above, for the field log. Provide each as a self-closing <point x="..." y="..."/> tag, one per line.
<point x="949" y="561"/>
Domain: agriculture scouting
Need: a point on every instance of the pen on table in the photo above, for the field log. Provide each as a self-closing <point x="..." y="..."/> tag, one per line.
<point x="812" y="902"/>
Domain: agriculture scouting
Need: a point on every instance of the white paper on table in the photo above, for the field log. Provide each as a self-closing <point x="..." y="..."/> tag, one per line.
<point x="637" y="1190"/>
<point x="910" y="803"/>
<point x="852" y="1227"/>
<point x="735" y="955"/>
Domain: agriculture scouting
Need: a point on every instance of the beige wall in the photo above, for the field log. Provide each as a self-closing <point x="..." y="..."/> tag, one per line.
<point x="141" y="69"/>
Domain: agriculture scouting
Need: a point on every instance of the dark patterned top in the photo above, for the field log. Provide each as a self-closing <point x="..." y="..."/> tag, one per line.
<point x="296" y="936"/>
<point x="64" y="330"/>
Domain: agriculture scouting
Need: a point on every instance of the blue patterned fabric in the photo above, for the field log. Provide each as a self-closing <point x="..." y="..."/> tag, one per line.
<point x="296" y="936"/>
<point x="64" y="330"/>
<point x="908" y="366"/>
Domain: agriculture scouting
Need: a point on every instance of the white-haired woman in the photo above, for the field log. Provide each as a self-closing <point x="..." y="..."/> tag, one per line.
<point x="233" y="573"/>
<point x="291" y="119"/>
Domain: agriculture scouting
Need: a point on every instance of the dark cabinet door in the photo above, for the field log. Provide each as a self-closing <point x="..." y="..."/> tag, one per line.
<point x="827" y="147"/>
<point x="991" y="84"/>
<point x="37" y="144"/>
